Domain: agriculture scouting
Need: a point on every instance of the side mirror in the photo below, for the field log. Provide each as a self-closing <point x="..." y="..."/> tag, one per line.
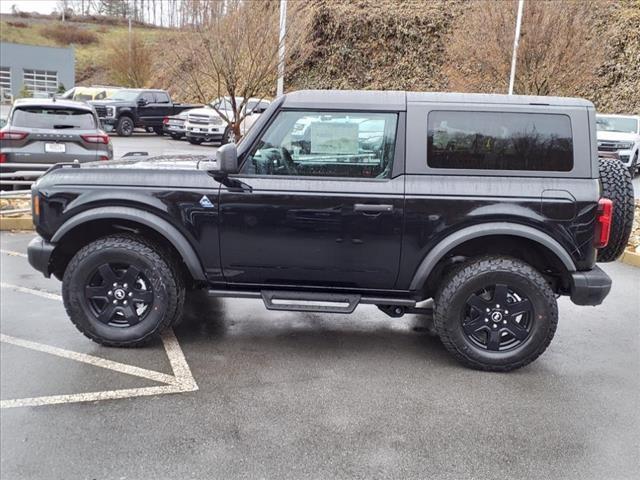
<point x="227" y="158"/>
<point x="142" y="102"/>
<point x="226" y="161"/>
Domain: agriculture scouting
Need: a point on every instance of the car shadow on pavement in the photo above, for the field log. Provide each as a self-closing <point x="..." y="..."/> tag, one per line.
<point x="209" y="320"/>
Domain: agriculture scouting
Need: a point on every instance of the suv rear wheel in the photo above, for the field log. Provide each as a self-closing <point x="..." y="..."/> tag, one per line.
<point x="496" y="314"/>
<point x="120" y="291"/>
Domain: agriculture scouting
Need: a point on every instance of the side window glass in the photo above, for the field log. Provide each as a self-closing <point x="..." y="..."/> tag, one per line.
<point x="499" y="141"/>
<point x="161" y="97"/>
<point x="148" y="97"/>
<point x="326" y="144"/>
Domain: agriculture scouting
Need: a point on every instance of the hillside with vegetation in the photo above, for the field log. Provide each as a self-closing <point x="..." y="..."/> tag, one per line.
<point x="91" y="38"/>
<point x="391" y="44"/>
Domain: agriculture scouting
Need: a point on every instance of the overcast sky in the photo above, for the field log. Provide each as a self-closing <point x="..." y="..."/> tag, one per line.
<point x="40" y="6"/>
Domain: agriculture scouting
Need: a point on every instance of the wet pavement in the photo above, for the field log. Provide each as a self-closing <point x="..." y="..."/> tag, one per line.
<point x="297" y="395"/>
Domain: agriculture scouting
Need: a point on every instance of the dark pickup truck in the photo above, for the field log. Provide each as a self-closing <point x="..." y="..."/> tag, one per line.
<point x="489" y="205"/>
<point x="126" y="109"/>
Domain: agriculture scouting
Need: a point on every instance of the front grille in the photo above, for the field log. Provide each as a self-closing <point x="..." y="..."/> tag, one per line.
<point x="199" y="119"/>
<point x="101" y="111"/>
<point x="612" y="146"/>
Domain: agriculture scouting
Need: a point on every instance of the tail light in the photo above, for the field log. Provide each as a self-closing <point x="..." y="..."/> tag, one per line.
<point x="35" y="204"/>
<point x="12" y="135"/>
<point x="104" y="157"/>
<point x="96" y="138"/>
<point x="165" y="120"/>
<point x="3" y="157"/>
<point x="603" y="222"/>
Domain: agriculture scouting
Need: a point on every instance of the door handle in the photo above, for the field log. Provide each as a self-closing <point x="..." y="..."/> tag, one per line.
<point x="368" y="208"/>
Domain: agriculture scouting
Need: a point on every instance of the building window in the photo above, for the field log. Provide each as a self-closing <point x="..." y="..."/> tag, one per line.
<point x="41" y="82"/>
<point x="5" y="82"/>
<point x="500" y="141"/>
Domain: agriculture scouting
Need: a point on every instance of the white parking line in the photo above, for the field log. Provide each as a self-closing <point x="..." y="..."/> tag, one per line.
<point x="32" y="291"/>
<point x="181" y="381"/>
<point x="90" y="359"/>
<point x="12" y="253"/>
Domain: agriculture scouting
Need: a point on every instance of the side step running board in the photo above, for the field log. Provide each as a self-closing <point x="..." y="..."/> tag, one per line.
<point x="312" y="301"/>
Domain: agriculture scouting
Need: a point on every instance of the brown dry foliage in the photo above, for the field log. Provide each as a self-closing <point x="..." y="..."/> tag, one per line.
<point x="236" y="54"/>
<point x="18" y="24"/>
<point x="376" y="44"/>
<point x="65" y="34"/>
<point x="129" y="60"/>
<point x="558" y="54"/>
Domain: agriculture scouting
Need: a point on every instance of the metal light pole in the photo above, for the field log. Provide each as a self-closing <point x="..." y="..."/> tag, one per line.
<point x="283" y="24"/>
<point x="516" y="40"/>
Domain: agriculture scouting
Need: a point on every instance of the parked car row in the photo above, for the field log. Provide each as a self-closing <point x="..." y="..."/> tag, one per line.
<point x="206" y="124"/>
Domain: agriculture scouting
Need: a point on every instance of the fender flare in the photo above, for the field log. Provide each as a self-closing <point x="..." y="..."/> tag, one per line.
<point x="161" y="226"/>
<point x="487" y="229"/>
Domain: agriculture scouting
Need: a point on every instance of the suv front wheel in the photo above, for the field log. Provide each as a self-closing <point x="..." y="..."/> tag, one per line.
<point x="496" y="314"/>
<point x="121" y="292"/>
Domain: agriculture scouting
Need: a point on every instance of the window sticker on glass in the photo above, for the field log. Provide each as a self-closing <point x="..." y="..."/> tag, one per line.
<point x="334" y="138"/>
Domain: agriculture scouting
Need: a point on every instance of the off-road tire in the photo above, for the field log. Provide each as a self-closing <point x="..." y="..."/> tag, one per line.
<point x="125" y="126"/>
<point x="158" y="131"/>
<point x="195" y="141"/>
<point x="617" y="187"/>
<point x="176" y="137"/>
<point x="451" y="302"/>
<point x="165" y="277"/>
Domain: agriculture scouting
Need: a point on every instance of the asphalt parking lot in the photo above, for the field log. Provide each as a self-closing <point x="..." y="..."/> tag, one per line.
<point x="156" y="145"/>
<point x="241" y="392"/>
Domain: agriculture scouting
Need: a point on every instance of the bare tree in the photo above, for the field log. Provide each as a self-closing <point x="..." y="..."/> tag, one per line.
<point x="236" y="54"/>
<point x="129" y="60"/>
<point x="559" y="51"/>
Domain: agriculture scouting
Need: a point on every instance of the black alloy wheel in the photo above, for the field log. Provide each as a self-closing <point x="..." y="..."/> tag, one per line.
<point x="122" y="291"/>
<point x="125" y="127"/>
<point x="495" y="313"/>
<point x="119" y="295"/>
<point x="497" y="318"/>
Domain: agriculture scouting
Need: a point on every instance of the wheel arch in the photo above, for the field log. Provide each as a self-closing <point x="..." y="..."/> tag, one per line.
<point x="536" y="239"/>
<point x="102" y="220"/>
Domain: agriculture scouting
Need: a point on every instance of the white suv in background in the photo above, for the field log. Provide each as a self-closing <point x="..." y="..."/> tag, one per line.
<point x="206" y="125"/>
<point x="619" y="136"/>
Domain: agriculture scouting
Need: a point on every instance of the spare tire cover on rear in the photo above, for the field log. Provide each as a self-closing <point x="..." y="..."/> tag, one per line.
<point x="617" y="187"/>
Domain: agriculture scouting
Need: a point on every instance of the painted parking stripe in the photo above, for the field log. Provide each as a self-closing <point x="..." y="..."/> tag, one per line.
<point x="180" y="382"/>
<point x="32" y="291"/>
<point x="12" y="253"/>
<point x="90" y="396"/>
<point x="90" y="359"/>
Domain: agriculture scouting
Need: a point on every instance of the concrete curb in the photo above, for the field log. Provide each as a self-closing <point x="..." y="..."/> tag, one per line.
<point x="630" y="258"/>
<point x="16" y="223"/>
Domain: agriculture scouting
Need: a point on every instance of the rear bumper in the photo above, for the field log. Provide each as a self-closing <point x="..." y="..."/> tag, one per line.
<point x="590" y="287"/>
<point x="39" y="254"/>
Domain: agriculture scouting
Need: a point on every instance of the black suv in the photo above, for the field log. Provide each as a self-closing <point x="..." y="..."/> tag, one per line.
<point x="490" y="205"/>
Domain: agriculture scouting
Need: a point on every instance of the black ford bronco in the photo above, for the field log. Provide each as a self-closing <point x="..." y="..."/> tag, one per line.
<point x="490" y="205"/>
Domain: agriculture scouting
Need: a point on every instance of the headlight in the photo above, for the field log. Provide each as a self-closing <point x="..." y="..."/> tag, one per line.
<point x="111" y="111"/>
<point x="215" y="120"/>
<point x="625" y="145"/>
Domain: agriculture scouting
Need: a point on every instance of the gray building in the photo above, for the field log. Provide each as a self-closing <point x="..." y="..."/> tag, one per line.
<point x="41" y="69"/>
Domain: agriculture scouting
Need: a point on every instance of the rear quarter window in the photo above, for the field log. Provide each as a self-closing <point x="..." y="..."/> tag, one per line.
<point x="54" y="118"/>
<point x="499" y="141"/>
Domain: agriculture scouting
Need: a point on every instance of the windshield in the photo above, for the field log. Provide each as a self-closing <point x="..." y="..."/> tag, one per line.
<point x="123" y="95"/>
<point x="617" y="124"/>
<point x="224" y="103"/>
<point x="48" y="117"/>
